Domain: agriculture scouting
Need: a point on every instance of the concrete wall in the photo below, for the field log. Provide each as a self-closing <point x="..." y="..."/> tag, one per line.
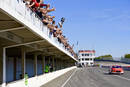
<point x="40" y="80"/>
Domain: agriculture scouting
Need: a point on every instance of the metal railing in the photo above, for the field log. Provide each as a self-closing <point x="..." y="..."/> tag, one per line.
<point x="30" y="16"/>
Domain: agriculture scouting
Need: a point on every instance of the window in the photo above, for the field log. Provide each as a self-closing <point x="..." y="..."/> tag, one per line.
<point x="86" y="59"/>
<point x="82" y="54"/>
<point x="90" y="59"/>
<point x="79" y="59"/>
<point x="82" y="59"/>
<point x="91" y="54"/>
<point x="86" y="54"/>
<point x="91" y="63"/>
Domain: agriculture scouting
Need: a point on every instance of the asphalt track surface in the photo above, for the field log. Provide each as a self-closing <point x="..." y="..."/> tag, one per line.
<point x="97" y="77"/>
<point x="91" y="77"/>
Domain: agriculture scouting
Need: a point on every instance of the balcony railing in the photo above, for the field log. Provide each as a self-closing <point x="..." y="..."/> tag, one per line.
<point x="27" y="14"/>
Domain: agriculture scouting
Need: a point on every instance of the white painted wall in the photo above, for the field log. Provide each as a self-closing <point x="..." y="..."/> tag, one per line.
<point x="40" y="80"/>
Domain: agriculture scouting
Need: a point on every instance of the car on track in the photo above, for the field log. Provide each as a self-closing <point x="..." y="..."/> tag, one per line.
<point x="115" y="69"/>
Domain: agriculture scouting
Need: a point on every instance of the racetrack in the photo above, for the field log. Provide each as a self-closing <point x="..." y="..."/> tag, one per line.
<point x="97" y="77"/>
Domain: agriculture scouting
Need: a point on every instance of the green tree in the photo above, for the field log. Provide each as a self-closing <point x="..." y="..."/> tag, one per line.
<point x="127" y="56"/>
<point x="105" y="57"/>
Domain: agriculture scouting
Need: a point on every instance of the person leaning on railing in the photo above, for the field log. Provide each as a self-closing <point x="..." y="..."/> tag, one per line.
<point x="51" y="27"/>
<point x="65" y="42"/>
<point x="37" y="6"/>
<point x="47" y="19"/>
<point x="36" y="3"/>
<point x="54" y="31"/>
<point x="58" y="33"/>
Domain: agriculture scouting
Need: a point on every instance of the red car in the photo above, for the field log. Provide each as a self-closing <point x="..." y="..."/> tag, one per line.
<point x="116" y="70"/>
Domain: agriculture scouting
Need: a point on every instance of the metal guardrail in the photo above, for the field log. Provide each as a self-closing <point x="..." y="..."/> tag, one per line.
<point x="30" y="16"/>
<point x="122" y="60"/>
<point x="125" y="60"/>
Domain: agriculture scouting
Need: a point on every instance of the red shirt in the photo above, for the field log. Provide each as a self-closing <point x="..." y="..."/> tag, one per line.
<point x="36" y="3"/>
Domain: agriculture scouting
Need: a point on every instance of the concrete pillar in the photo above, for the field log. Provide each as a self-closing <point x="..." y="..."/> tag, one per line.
<point x="23" y="60"/>
<point x="35" y="64"/>
<point x="43" y="63"/>
<point x="1" y="64"/>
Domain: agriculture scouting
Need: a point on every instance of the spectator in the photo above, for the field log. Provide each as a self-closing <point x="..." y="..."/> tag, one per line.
<point x="27" y="1"/>
<point x="41" y="4"/>
<point x="46" y="68"/>
<point x="38" y="4"/>
<point x="54" y="32"/>
<point x="45" y="10"/>
<point x="51" y="27"/>
<point x="42" y="11"/>
<point x="58" y="31"/>
<point x="47" y="19"/>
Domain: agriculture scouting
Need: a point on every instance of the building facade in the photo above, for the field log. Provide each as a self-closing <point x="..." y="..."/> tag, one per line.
<point x="27" y="47"/>
<point x="86" y="57"/>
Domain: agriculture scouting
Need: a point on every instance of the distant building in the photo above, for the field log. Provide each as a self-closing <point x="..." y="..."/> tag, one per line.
<point x="86" y="57"/>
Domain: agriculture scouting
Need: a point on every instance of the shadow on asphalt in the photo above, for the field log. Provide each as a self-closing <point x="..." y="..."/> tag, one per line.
<point x="112" y="74"/>
<point x="107" y="73"/>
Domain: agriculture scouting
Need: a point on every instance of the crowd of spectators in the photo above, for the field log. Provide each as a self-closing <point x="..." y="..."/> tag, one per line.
<point x="42" y="10"/>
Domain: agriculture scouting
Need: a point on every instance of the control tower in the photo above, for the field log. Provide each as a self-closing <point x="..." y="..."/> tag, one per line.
<point x="86" y="57"/>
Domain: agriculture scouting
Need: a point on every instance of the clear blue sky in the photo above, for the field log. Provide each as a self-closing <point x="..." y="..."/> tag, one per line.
<point x="103" y="25"/>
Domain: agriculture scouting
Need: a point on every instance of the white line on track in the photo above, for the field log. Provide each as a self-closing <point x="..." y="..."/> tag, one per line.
<point x="122" y="77"/>
<point x="69" y="78"/>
